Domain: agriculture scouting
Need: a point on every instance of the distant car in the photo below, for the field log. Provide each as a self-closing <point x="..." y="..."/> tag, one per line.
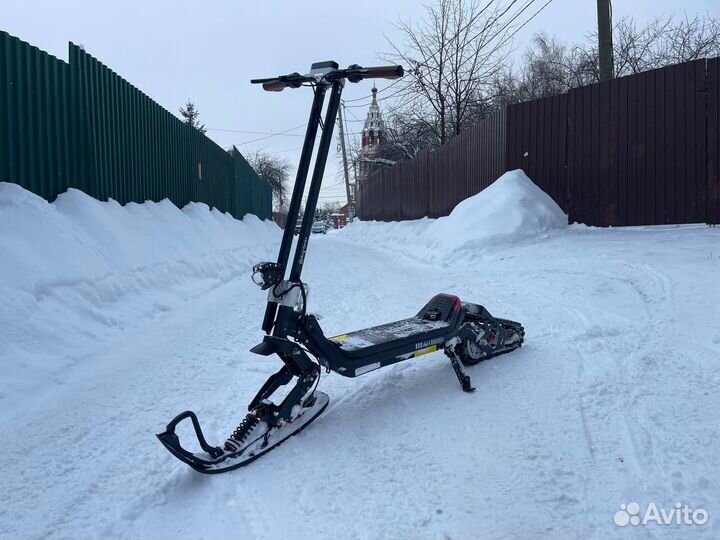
<point x="319" y="227"/>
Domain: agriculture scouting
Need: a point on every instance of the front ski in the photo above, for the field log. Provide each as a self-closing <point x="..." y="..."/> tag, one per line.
<point x="215" y="459"/>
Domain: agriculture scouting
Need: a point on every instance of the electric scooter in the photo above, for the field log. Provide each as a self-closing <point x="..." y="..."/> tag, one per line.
<point x="466" y="332"/>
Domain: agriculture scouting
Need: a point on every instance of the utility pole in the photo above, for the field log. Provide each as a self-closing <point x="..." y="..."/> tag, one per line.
<point x="341" y="132"/>
<point x="605" y="43"/>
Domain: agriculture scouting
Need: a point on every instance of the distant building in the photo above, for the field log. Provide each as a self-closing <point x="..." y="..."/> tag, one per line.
<point x="340" y="219"/>
<point x="373" y="137"/>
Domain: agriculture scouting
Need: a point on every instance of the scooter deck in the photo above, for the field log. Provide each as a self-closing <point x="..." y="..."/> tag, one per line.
<point x="385" y="333"/>
<point x="436" y="321"/>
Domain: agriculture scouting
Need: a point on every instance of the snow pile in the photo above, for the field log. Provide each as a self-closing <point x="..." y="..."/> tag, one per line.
<point x="78" y="270"/>
<point x="513" y="209"/>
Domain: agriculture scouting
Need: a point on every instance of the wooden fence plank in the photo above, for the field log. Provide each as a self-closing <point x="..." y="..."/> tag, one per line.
<point x="700" y="129"/>
<point x="651" y="153"/>
<point x="612" y="152"/>
<point x="641" y="183"/>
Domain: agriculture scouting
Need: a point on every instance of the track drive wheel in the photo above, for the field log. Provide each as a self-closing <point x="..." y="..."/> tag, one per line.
<point x="470" y="352"/>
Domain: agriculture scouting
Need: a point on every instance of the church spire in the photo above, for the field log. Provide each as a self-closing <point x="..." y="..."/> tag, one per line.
<point x="373" y="132"/>
<point x="373" y="136"/>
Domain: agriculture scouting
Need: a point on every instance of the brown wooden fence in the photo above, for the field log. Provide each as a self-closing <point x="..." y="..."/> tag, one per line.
<point x="713" y="138"/>
<point x="638" y="150"/>
<point x="432" y="183"/>
<point x="537" y="141"/>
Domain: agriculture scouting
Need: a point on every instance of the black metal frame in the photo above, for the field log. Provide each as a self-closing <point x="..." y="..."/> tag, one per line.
<point x="286" y="321"/>
<point x="296" y="336"/>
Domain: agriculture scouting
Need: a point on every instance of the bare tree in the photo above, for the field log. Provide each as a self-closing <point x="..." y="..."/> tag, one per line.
<point x="691" y="39"/>
<point x="275" y="171"/>
<point x="406" y="137"/>
<point x="634" y="49"/>
<point x="449" y="54"/>
<point x="550" y="67"/>
<point x="326" y="210"/>
<point x="661" y="42"/>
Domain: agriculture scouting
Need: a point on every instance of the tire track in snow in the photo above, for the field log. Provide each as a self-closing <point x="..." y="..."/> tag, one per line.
<point x="602" y="389"/>
<point x="640" y="372"/>
<point x="659" y="444"/>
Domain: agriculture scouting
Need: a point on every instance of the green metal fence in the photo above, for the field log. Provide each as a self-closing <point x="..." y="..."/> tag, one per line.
<point x="80" y="125"/>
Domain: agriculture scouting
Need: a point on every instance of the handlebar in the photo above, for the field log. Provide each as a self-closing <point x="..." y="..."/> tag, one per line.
<point x="377" y="72"/>
<point x="353" y="73"/>
<point x="278" y="84"/>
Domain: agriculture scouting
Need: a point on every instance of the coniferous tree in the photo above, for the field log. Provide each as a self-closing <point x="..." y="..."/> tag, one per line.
<point x="191" y="115"/>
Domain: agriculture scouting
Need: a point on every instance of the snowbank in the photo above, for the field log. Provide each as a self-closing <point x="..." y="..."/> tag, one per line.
<point x="78" y="270"/>
<point x="513" y="209"/>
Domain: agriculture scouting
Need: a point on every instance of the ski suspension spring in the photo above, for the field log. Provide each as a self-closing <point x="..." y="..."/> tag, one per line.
<point x="242" y="431"/>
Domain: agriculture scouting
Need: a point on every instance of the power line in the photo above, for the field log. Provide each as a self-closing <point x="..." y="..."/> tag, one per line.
<point x="355" y="117"/>
<point x="517" y="14"/>
<point x="258" y="132"/>
<point x="504" y="27"/>
<point x="287" y="150"/>
<point x="523" y="24"/>
<point x="271" y="135"/>
<point x="512" y="19"/>
<point x="396" y="92"/>
<point x="337" y="185"/>
<point x="247" y="142"/>
<point x="381" y="90"/>
<point x="470" y="22"/>
<point x="497" y="18"/>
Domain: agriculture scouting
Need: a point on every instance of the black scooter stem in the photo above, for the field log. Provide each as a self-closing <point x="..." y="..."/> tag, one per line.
<point x="316" y="182"/>
<point x="300" y="178"/>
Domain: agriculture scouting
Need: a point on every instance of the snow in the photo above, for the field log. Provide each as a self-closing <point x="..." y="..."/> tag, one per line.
<point x="115" y="319"/>
<point x="512" y="210"/>
<point x="78" y="270"/>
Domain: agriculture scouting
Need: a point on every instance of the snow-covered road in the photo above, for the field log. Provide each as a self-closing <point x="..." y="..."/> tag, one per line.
<point x="613" y="399"/>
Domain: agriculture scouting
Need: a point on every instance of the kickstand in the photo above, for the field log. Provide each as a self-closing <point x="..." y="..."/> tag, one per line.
<point x="462" y="376"/>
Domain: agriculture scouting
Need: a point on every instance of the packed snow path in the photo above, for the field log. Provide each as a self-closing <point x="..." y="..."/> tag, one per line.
<point x="613" y="399"/>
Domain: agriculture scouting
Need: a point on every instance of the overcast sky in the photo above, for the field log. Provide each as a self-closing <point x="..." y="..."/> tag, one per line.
<point x="208" y="51"/>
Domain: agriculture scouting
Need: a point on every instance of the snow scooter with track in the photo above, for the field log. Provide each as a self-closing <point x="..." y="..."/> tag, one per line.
<point x="466" y="332"/>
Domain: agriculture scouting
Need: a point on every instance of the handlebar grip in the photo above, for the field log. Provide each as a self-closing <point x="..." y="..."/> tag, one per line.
<point x="383" y="72"/>
<point x="274" y="86"/>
